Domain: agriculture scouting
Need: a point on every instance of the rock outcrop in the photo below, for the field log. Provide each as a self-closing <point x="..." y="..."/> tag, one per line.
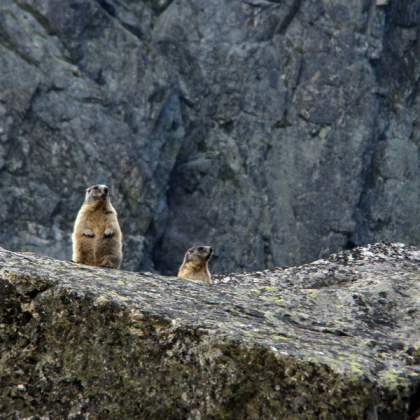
<point x="335" y="339"/>
<point x="289" y="127"/>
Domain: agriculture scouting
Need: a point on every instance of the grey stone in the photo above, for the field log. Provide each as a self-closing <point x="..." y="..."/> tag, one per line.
<point x="276" y="132"/>
<point x="337" y="338"/>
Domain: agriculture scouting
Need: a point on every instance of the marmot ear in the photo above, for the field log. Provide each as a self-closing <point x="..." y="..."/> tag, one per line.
<point x="88" y="190"/>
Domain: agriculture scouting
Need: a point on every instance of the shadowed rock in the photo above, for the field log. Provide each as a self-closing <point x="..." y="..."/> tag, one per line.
<point x="289" y="127"/>
<point x="338" y="338"/>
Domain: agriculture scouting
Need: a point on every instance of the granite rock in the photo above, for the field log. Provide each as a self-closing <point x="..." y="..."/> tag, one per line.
<point x="338" y="338"/>
<point x="276" y="132"/>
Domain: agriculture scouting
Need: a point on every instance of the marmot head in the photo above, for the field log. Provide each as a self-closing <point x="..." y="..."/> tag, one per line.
<point x="96" y="192"/>
<point x="198" y="255"/>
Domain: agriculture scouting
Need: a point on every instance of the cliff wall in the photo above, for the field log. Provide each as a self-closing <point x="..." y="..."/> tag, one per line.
<point x="277" y="132"/>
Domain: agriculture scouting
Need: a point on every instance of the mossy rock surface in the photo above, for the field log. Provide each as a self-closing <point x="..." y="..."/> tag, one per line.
<point x="335" y="339"/>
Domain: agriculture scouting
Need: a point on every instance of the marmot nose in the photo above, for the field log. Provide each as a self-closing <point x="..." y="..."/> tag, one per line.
<point x="106" y="190"/>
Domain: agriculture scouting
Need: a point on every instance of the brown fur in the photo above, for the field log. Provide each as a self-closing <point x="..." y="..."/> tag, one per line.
<point x="97" y="237"/>
<point x="195" y="265"/>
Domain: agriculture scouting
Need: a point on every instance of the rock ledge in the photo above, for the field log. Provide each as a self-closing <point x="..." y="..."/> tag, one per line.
<point x="337" y="338"/>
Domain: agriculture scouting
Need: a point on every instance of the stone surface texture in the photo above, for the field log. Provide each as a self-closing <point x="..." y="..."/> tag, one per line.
<point x="335" y="339"/>
<point x="277" y="132"/>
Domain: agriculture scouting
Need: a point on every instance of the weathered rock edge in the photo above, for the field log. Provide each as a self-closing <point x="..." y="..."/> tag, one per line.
<point x="338" y="338"/>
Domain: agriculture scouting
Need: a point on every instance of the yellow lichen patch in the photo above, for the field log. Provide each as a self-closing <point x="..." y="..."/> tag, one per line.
<point x="280" y="336"/>
<point x="394" y="378"/>
<point x="101" y="300"/>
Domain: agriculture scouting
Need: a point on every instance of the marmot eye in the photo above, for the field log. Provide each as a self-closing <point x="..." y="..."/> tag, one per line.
<point x="200" y="248"/>
<point x="95" y="188"/>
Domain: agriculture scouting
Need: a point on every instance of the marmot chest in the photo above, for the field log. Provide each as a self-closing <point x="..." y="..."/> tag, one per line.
<point x="100" y="220"/>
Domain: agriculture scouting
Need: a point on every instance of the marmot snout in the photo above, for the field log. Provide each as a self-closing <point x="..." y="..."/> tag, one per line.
<point x="96" y="192"/>
<point x="195" y="264"/>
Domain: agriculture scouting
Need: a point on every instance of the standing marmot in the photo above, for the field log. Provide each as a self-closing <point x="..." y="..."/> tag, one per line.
<point x="97" y="234"/>
<point x="195" y="265"/>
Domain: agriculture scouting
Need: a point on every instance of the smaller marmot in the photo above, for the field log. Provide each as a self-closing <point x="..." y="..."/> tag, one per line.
<point x="195" y="265"/>
<point x="97" y="235"/>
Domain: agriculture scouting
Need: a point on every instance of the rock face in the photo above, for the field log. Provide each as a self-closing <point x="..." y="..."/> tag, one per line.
<point x="276" y="132"/>
<point x="335" y="339"/>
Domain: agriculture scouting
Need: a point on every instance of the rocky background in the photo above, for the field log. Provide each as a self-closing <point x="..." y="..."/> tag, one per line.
<point x="277" y="132"/>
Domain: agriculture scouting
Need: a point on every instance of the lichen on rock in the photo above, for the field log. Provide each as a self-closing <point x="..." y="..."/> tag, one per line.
<point x="337" y="338"/>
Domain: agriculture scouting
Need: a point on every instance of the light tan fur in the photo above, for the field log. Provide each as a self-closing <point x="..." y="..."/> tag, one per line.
<point x="97" y="237"/>
<point x="195" y="265"/>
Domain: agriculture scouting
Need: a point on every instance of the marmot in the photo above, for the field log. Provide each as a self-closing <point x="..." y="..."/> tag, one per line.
<point x="97" y="235"/>
<point x="195" y="265"/>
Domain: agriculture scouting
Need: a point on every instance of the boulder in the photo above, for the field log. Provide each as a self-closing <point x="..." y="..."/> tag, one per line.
<point x="335" y="339"/>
